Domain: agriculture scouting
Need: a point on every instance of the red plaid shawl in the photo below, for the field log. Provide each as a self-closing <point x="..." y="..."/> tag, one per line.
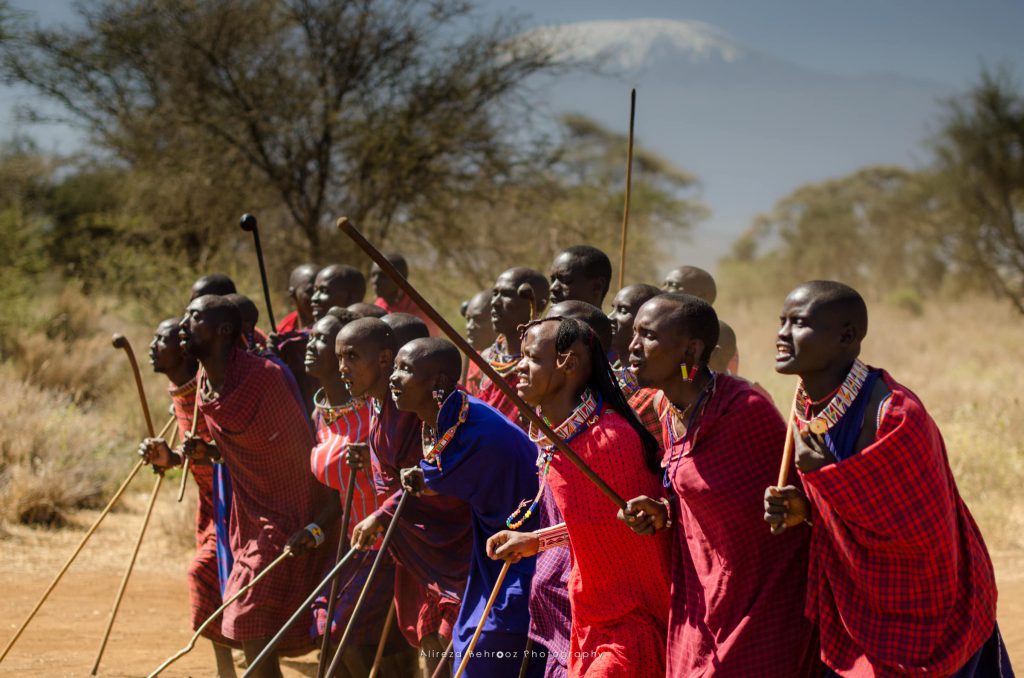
<point x="738" y="592"/>
<point x="203" y="585"/>
<point x="265" y="439"/>
<point x="619" y="585"/>
<point x="900" y="581"/>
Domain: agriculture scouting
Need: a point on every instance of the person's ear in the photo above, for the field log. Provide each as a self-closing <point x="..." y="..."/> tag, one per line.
<point x="695" y="351"/>
<point x="568" y="361"/>
<point x="848" y="334"/>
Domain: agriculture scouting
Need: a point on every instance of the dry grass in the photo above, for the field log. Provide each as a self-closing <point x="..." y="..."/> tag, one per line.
<point x="965" y="360"/>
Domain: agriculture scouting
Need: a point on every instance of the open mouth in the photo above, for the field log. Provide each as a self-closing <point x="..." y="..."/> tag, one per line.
<point x="309" y="359"/>
<point x="783" y="352"/>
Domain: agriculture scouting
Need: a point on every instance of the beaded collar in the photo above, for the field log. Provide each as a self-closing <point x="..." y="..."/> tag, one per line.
<point x="500" y="359"/>
<point x="437" y="445"/>
<point x="186" y="389"/>
<point x="628" y="382"/>
<point x="585" y="415"/>
<point x="820" y="423"/>
<point x="332" y="413"/>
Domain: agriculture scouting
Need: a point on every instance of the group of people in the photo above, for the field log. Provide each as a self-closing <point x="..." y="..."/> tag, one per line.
<point x="866" y="563"/>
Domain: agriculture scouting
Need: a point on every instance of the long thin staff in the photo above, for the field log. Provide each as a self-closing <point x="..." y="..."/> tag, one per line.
<point x="483" y="618"/>
<point x="195" y="422"/>
<point x="120" y="341"/>
<point x="383" y="641"/>
<point x="787" y="453"/>
<point x="350" y="490"/>
<point x="351" y="231"/>
<point x="127" y="573"/>
<point x="216" y="613"/>
<point x="444" y="659"/>
<point x="302" y="609"/>
<point x="74" y="554"/>
<point x="248" y="223"/>
<point x="366" y="586"/>
<point x="629" y="188"/>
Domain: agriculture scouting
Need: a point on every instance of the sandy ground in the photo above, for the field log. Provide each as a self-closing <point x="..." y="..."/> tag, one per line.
<point x="153" y="621"/>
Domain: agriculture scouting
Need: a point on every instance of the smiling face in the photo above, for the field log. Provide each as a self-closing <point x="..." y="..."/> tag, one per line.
<point x="320" y="360"/>
<point x="413" y="380"/>
<point x="658" y="346"/>
<point x="812" y="337"/>
<point x="165" y="351"/>
<point x="537" y="371"/>
<point x="361" y="364"/>
<point x="508" y="309"/>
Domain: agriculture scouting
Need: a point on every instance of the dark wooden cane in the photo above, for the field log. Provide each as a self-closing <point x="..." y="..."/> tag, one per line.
<point x="629" y="189"/>
<point x="248" y="223"/>
<point x="528" y="412"/>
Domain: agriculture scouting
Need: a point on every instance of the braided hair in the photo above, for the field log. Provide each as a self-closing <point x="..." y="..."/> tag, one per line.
<point x="602" y="380"/>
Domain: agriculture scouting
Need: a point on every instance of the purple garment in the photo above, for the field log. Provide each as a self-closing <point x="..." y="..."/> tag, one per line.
<point x="550" y="613"/>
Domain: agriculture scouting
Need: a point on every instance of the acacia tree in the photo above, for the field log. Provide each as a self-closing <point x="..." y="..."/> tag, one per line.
<point x="980" y="162"/>
<point x="363" y="107"/>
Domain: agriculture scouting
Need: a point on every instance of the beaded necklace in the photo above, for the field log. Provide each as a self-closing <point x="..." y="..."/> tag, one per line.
<point x="433" y="455"/>
<point x="583" y="416"/>
<point x="695" y="408"/>
<point x="500" y="359"/>
<point x="820" y="423"/>
<point x="186" y="389"/>
<point x="628" y="382"/>
<point x="332" y="413"/>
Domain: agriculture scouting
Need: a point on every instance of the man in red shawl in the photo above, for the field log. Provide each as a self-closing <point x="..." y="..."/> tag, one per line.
<point x="167" y="358"/>
<point x="520" y="295"/>
<point x="431" y="544"/>
<point x="900" y="582"/>
<point x="391" y="298"/>
<point x="261" y="433"/>
<point x="619" y="618"/>
<point x="300" y="291"/>
<point x="342" y="422"/>
<point x="737" y="591"/>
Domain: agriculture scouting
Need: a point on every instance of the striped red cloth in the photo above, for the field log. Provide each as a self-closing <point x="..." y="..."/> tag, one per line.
<point x="900" y="581"/>
<point x="738" y="592"/>
<point x="264" y="438"/>
<point x="203" y="583"/>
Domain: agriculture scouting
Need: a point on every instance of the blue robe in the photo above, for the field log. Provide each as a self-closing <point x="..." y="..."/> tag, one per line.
<point x="491" y="465"/>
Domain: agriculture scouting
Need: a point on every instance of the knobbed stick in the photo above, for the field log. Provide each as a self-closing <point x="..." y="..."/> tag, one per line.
<point x="351" y="231"/>
<point x="333" y="667"/>
<point x="216" y="613"/>
<point x="383" y="641"/>
<point x="787" y="453"/>
<point x="78" y="549"/>
<point x="350" y="490"/>
<point x="629" y="189"/>
<point x="248" y="223"/>
<point x="195" y="422"/>
<point x="121" y="341"/>
<point x="127" y="573"/>
<point x="332" y="576"/>
<point x="483" y="618"/>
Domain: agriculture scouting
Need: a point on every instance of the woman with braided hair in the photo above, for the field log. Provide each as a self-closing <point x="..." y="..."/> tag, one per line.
<point x="619" y="620"/>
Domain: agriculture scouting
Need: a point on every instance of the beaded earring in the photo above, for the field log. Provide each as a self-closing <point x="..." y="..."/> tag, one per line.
<point x="689" y="374"/>
<point x="438" y="395"/>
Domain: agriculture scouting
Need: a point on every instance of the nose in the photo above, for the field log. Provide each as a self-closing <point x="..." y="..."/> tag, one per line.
<point x="634" y="343"/>
<point x="785" y="330"/>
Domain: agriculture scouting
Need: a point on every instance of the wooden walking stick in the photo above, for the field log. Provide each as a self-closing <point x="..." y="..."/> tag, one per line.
<point x="302" y="609"/>
<point x="787" y="454"/>
<point x="195" y="422"/>
<point x="350" y="490"/>
<point x="127" y="572"/>
<point x="528" y="412"/>
<point x="383" y="640"/>
<point x="371" y="575"/>
<point x="286" y="553"/>
<point x="121" y="341"/>
<point x="248" y="223"/>
<point x="483" y="618"/>
<point x="629" y="189"/>
<point x="81" y="544"/>
<point x="444" y="659"/>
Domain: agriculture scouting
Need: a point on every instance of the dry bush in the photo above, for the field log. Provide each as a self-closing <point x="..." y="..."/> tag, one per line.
<point x="968" y="371"/>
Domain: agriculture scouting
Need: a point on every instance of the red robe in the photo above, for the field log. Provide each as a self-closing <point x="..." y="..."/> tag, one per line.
<point x="483" y="388"/>
<point x="900" y="581"/>
<point x="264" y="437"/>
<point x="738" y="592"/>
<point x="203" y="584"/>
<point x="289" y="323"/>
<point x="432" y="542"/>
<point x="619" y="584"/>
<point x="407" y="305"/>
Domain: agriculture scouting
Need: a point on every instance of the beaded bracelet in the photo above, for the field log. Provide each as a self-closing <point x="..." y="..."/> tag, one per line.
<point x="317" y="532"/>
<point x="668" y="512"/>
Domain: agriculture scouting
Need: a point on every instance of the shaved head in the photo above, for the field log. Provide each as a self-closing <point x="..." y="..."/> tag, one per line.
<point x="836" y="298"/>
<point x="370" y="332"/>
<point x="214" y="283"/>
<point x="690" y="316"/>
<point x="440" y="354"/>
<point x="365" y="310"/>
<point x="220" y="311"/>
<point x="691" y="280"/>
<point x="250" y="314"/>
<point x="344" y="315"/>
<point x="588" y="314"/>
<point x="303" y="274"/>
<point x="406" y="327"/>
<point x="726" y="349"/>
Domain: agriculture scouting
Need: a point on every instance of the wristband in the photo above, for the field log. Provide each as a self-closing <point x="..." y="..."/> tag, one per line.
<point x="317" y="532"/>
<point x="668" y="512"/>
<point x="552" y="537"/>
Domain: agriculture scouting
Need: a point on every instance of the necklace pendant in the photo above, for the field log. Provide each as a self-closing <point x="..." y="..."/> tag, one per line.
<point x="819" y="427"/>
